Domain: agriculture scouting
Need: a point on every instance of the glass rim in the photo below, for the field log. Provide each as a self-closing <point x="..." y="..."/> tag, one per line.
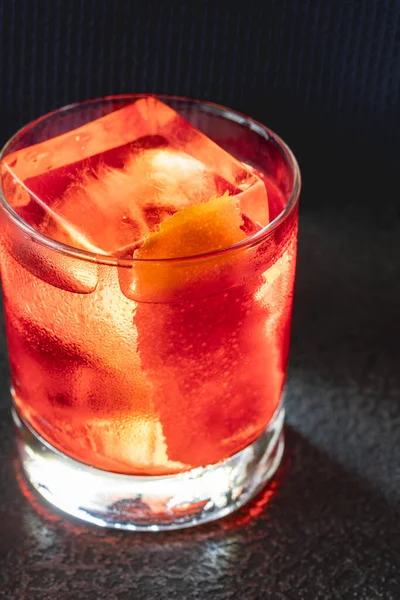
<point x="225" y="112"/>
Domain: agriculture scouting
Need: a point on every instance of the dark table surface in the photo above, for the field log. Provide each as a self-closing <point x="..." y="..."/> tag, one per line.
<point x="328" y="527"/>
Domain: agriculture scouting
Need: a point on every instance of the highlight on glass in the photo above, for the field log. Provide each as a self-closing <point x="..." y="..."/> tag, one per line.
<point x="148" y="249"/>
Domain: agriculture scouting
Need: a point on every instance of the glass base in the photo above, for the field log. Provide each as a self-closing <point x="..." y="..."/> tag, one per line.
<point x="149" y="503"/>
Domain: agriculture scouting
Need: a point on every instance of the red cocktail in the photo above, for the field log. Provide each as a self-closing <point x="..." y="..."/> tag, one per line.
<point x="148" y="277"/>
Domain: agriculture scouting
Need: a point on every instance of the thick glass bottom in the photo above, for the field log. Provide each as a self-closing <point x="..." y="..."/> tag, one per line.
<point x="149" y="503"/>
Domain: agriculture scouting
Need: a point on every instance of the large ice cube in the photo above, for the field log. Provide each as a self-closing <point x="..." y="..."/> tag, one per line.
<point x="109" y="183"/>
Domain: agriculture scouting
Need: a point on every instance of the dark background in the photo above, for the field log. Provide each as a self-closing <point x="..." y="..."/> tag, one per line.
<point x="325" y="74"/>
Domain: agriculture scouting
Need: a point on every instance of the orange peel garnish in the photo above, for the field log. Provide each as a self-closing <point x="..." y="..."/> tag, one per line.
<point x="196" y="229"/>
